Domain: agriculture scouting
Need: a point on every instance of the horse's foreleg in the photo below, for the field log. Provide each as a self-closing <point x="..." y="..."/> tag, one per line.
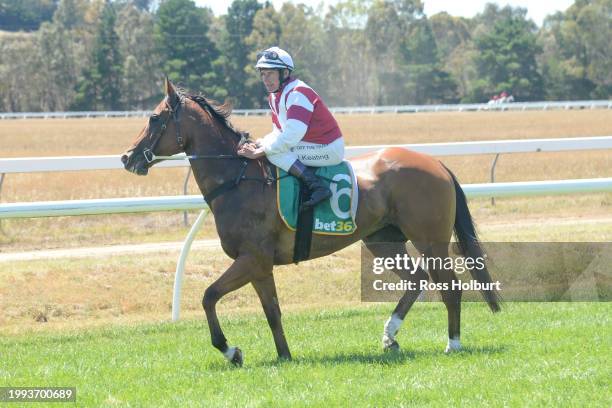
<point x="266" y="290"/>
<point x="234" y="278"/>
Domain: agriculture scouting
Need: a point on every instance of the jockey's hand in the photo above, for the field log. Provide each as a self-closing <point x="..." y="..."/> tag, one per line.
<point x="251" y="143"/>
<point x="251" y="151"/>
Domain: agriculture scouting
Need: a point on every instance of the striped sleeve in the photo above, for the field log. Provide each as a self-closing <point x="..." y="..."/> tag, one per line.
<point x="300" y="106"/>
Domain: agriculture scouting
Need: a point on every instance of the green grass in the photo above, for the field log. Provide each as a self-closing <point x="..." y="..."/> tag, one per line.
<point x="532" y="354"/>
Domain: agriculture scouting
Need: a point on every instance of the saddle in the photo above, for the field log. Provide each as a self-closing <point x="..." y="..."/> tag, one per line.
<point x="334" y="216"/>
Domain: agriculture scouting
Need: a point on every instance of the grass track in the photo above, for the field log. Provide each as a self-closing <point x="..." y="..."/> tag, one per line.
<point x="532" y="354"/>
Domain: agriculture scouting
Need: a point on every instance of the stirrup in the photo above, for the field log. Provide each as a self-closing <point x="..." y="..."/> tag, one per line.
<point x="311" y="203"/>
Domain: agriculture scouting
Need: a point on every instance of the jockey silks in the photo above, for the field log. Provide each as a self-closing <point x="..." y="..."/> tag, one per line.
<point x="298" y="115"/>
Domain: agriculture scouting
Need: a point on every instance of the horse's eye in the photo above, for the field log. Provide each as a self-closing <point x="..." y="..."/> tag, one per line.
<point x="154" y="118"/>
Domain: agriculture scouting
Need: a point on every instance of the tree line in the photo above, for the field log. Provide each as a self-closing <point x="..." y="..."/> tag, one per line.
<point x="58" y="55"/>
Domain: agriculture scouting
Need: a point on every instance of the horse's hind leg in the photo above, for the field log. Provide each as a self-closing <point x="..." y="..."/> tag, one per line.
<point x="238" y="275"/>
<point x="390" y="242"/>
<point x="450" y="296"/>
<point x="266" y="290"/>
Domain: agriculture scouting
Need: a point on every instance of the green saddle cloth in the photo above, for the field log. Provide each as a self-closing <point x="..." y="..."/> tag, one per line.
<point x="335" y="216"/>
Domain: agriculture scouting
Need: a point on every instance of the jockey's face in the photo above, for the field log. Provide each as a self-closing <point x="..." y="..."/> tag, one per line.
<point x="270" y="78"/>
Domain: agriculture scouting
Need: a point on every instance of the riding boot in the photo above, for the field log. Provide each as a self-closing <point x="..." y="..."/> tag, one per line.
<point x="318" y="190"/>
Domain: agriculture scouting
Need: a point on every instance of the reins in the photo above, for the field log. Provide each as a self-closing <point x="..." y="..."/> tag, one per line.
<point x="224" y="187"/>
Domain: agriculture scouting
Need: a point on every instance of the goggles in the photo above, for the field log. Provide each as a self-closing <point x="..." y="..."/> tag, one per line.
<point x="269" y="55"/>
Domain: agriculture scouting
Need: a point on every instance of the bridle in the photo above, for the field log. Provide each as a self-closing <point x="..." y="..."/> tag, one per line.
<point x="219" y="190"/>
<point x="174" y="115"/>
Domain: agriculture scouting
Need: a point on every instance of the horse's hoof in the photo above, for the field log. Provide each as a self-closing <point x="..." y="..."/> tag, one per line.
<point x="453" y="346"/>
<point x="237" y="358"/>
<point x="392" y="346"/>
<point x="284" y="358"/>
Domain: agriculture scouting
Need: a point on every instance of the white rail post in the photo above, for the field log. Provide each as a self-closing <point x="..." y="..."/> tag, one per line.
<point x="180" y="266"/>
<point x="493" y="174"/>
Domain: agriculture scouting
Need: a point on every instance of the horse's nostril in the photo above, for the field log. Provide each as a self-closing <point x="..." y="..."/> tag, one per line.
<point x="124" y="158"/>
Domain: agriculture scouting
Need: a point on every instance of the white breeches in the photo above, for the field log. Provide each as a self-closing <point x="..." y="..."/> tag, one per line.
<point x="311" y="154"/>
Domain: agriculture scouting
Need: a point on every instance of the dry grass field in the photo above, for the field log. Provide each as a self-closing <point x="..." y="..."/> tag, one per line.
<point x="58" y="294"/>
<point x="129" y="288"/>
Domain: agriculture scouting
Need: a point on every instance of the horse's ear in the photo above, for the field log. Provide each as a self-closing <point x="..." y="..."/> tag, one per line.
<point x="170" y="91"/>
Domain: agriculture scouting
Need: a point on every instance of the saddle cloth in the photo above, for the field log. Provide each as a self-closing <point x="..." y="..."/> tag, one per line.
<point x="335" y="216"/>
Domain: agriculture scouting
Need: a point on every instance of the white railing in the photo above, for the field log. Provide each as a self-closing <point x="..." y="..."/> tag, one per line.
<point x="196" y="202"/>
<point x="122" y="205"/>
<point x="110" y="162"/>
<point x="101" y="206"/>
<point x="514" y="106"/>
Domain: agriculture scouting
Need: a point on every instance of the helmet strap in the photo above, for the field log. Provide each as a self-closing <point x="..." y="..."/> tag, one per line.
<point x="281" y="75"/>
<point x="281" y="79"/>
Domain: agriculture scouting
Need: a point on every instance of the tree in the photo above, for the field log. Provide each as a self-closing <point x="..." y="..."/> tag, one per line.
<point x="506" y="58"/>
<point x="350" y="64"/>
<point x="577" y="59"/>
<point x="455" y="48"/>
<point x="70" y="14"/>
<point x="18" y="61"/>
<point x="25" y="15"/>
<point x="265" y="33"/>
<point x="302" y="35"/>
<point x="57" y="69"/>
<point x="235" y="51"/>
<point x="187" y="53"/>
<point x="100" y="85"/>
<point x="142" y="67"/>
<point x="425" y="80"/>
<point x="389" y="23"/>
<point x="449" y="32"/>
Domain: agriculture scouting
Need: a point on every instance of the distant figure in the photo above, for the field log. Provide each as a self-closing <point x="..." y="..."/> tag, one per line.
<point x="503" y="97"/>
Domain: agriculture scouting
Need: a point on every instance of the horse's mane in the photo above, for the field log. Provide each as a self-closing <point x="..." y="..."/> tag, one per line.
<point x="220" y="112"/>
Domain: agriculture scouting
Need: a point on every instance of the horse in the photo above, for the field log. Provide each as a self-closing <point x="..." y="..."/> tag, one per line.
<point x="403" y="196"/>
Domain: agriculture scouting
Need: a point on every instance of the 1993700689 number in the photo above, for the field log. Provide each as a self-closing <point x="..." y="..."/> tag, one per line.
<point x="37" y="394"/>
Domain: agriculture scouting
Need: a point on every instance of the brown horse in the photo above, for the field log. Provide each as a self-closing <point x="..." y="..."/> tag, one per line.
<point x="403" y="195"/>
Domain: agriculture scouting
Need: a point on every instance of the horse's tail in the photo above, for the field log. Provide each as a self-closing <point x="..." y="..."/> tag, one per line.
<point x="467" y="239"/>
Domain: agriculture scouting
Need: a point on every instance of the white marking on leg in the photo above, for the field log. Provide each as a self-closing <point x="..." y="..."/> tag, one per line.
<point x="453" y="345"/>
<point x="391" y="328"/>
<point x="229" y="353"/>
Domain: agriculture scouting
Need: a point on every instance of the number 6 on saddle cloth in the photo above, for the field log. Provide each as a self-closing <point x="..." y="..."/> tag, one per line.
<point x="335" y="216"/>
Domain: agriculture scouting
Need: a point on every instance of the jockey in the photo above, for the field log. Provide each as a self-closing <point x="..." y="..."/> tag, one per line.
<point x="304" y="132"/>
